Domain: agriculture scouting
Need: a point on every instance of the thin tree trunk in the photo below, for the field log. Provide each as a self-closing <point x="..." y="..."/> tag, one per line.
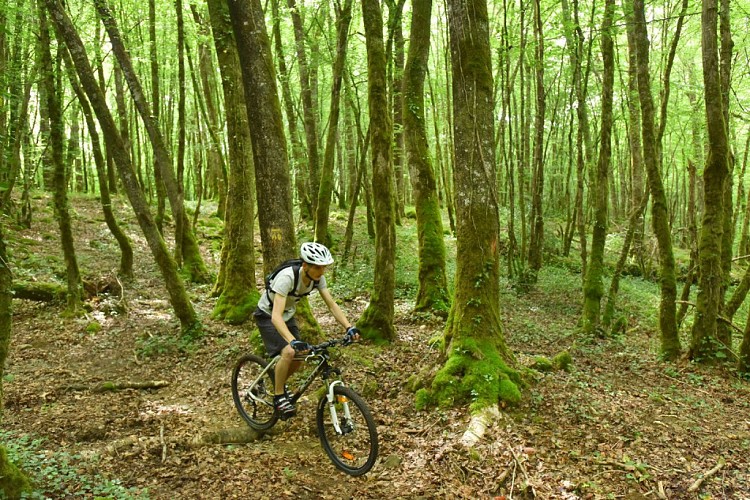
<point x="156" y="108"/>
<point x="593" y="288"/>
<point x="192" y="260"/>
<point x="54" y="143"/>
<point x="180" y="217"/>
<point x="343" y="18"/>
<point x="177" y="293"/>
<point x="377" y="320"/>
<point x="670" y="341"/>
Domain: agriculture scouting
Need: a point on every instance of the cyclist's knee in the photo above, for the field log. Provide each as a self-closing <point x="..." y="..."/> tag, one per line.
<point x="287" y="353"/>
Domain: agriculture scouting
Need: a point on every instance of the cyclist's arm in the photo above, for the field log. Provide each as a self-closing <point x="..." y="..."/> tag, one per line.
<point x="334" y="308"/>
<point x="277" y="317"/>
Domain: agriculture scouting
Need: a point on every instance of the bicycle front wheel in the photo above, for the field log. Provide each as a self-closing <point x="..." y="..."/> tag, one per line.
<point x="253" y="394"/>
<point x="347" y="431"/>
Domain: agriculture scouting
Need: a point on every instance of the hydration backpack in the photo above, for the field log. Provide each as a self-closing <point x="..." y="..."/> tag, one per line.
<point x="296" y="265"/>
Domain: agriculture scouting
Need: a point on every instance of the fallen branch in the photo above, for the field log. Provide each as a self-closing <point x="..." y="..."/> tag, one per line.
<point x="118" y="386"/>
<point x="39" y="291"/>
<point x="158" y="444"/>
<point x="698" y="482"/>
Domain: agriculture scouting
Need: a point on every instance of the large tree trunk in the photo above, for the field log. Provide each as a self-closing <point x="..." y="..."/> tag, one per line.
<point x="60" y="178"/>
<point x="239" y="294"/>
<point x="479" y="368"/>
<point x="327" y="184"/>
<point x="273" y="185"/>
<point x="177" y="293"/>
<point x="593" y="287"/>
<point x="704" y="343"/>
<point x="192" y="260"/>
<point x="377" y="320"/>
<point x="432" y="294"/>
<point x="670" y="341"/>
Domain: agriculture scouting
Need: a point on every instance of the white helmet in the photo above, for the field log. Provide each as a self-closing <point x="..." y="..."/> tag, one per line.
<point x="315" y="253"/>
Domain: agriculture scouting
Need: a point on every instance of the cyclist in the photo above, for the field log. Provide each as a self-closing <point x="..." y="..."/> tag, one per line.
<point x="275" y="315"/>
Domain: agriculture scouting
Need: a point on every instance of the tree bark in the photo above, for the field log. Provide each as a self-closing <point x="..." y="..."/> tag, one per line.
<point x="670" y="341"/>
<point x="377" y="320"/>
<point x="239" y="294"/>
<point x="177" y="293"/>
<point x="593" y="288"/>
<point x="432" y="294"/>
<point x="60" y="178"/>
<point x="327" y="184"/>
<point x="273" y="185"/>
<point x="479" y="365"/>
<point x="704" y="343"/>
<point x="156" y="108"/>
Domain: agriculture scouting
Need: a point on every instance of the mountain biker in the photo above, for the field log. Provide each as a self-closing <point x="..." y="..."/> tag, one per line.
<point x="275" y="315"/>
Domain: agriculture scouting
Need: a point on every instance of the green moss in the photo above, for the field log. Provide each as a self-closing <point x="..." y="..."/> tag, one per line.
<point x="562" y="361"/>
<point x="423" y="399"/>
<point x="542" y="364"/>
<point x="94" y="327"/>
<point x="475" y="373"/>
<point x="13" y="482"/>
<point x="235" y="310"/>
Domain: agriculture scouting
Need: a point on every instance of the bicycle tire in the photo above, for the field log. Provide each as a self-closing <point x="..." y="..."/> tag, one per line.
<point x="257" y="411"/>
<point x="355" y="450"/>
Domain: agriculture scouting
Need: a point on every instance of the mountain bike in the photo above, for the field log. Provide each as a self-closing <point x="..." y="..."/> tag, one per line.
<point x="346" y="428"/>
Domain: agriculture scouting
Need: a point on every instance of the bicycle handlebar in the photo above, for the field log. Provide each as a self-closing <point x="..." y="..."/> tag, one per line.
<point x="330" y="343"/>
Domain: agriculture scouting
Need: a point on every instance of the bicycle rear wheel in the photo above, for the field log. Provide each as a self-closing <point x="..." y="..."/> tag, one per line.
<point x="253" y="396"/>
<point x="353" y="447"/>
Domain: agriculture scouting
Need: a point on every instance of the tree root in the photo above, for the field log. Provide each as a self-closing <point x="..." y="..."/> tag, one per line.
<point x="478" y="425"/>
<point x="158" y="445"/>
<point x="698" y="482"/>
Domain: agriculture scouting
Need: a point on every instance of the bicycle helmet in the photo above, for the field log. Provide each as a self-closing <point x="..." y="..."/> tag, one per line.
<point x="315" y="253"/>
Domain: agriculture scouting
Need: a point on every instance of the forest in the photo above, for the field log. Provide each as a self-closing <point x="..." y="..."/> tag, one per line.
<point x="537" y="212"/>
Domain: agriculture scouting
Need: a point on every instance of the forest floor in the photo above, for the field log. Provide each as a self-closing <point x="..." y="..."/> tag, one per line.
<point x="619" y="424"/>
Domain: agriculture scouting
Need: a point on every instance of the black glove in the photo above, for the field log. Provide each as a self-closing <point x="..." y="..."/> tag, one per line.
<point x="352" y="333"/>
<point x="300" y="346"/>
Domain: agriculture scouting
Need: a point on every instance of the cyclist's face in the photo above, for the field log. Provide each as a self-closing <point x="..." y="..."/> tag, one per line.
<point x="315" y="271"/>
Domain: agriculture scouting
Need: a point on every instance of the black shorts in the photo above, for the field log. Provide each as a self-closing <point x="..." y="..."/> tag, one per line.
<point x="272" y="339"/>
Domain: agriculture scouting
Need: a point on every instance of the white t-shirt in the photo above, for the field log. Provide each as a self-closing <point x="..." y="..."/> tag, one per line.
<point x="283" y="284"/>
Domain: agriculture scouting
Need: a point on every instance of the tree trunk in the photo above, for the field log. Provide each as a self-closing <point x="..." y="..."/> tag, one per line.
<point x="273" y="185"/>
<point x="156" y="108"/>
<point x="704" y="343"/>
<point x="343" y="18"/>
<point x="180" y="217"/>
<point x="60" y="184"/>
<point x="479" y="368"/>
<point x="177" y="293"/>
<point x="377" y="320"/>
<point x="192" y="259"/>
<point x="126" y="249"/>
<point x="670" y="341"/>
<point x="432" y="294"/>
<point x="396" y="46"/>
<point x="536" y="237"/>
<point x="308" y="108"/>
<point x="301" y="169"/>
<point x="239" y="294"/>
<point x="593" y="288"/>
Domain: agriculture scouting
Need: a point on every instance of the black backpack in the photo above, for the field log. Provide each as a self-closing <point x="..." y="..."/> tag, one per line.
<point x="296" y="265"/>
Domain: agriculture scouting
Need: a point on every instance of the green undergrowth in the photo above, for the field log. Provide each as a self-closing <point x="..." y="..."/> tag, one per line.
<point x="61" y="474"/>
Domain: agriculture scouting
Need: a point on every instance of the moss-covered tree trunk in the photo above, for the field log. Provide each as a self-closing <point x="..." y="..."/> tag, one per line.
<point x="593" y="287"/>
<point x="192" y="262"/>
<point x="156" y="107"/>
<point x="272" y="181"/>
<point x="177" y="293"/>
<point x="126" y="248"/>
<point x="704" y="343"/>
<point x="60" y="178"/>
<point x="432" y="294"/>
<point x="327" y="183"/>
<point x="670" y="341"/>
<point x="479" y="365"/>
<point x="377" y="320"/>
<point x="238" y="290"/>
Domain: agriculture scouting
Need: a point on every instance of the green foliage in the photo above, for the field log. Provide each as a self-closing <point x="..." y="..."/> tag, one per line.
<point x="93" y="327"/>
<point x="58" y="474"/>
<point x="562" y="361"/>
<point x="167" y="344"/>
<point x="13" y="481"/>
